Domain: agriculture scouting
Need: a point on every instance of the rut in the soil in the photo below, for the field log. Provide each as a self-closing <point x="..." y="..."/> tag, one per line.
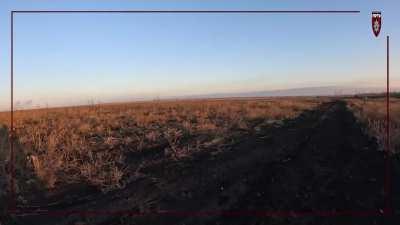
<point x="319" y="161"/>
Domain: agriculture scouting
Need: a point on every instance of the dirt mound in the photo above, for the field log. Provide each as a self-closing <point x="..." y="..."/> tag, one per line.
<point x="320" y="161"/>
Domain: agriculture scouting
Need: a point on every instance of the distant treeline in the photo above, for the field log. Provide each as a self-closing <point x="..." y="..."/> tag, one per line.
<point x="377" y="95"/>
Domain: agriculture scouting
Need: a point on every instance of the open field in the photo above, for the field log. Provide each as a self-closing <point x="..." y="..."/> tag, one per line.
<point x="173" y="161"/>
<point x="90" y="143"/>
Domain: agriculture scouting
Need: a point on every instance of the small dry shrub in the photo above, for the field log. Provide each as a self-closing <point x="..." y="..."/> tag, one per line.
<point x="372" y="112"/>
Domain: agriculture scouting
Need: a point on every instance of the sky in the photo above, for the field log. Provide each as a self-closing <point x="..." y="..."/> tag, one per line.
<point x="68" y="59"/>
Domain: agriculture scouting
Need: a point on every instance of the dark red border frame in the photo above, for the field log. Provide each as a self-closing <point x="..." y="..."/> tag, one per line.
<point x="387" y="192"/>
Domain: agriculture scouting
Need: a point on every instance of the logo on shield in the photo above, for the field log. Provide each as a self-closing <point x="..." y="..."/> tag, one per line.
<point x="376" y="22"/>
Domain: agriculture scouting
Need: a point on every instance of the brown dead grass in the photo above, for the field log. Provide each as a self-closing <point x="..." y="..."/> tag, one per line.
<point x="90" y="143"/>
<point x="372" y="112"/>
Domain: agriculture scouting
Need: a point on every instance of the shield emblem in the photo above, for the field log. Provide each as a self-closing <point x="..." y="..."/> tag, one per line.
<point x="376" y="22"/>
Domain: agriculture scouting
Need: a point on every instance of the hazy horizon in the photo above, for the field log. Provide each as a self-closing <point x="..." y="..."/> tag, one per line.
<point x="290" y="92"/>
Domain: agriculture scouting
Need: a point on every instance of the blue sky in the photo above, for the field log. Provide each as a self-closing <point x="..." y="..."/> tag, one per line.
<point x="72" y="58"/>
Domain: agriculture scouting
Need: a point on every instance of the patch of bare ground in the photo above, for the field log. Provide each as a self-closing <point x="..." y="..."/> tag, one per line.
<point x="371" y="113"/>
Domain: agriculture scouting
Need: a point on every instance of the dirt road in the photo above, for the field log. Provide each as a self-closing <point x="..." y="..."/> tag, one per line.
<point x="320" y="161"/>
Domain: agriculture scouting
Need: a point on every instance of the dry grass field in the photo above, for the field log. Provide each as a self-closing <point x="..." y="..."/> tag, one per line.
<point x="372" y="112"/>
<point x="280" y="154"/>
<point x="90" y="144"/>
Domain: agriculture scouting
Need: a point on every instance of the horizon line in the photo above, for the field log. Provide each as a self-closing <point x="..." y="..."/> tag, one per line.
<point x="194" y="98"/>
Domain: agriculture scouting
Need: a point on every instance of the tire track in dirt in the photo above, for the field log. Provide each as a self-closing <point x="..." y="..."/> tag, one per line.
<point x="333" y="166"/>
<point x="319" y="161"/>
<point x="338" y="168"/>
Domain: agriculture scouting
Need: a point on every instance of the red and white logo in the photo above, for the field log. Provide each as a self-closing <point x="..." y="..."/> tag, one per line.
<point x="376" y="22"/>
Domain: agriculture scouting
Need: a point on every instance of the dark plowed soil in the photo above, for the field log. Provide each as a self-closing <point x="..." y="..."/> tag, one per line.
<point x="320" y="161"/>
